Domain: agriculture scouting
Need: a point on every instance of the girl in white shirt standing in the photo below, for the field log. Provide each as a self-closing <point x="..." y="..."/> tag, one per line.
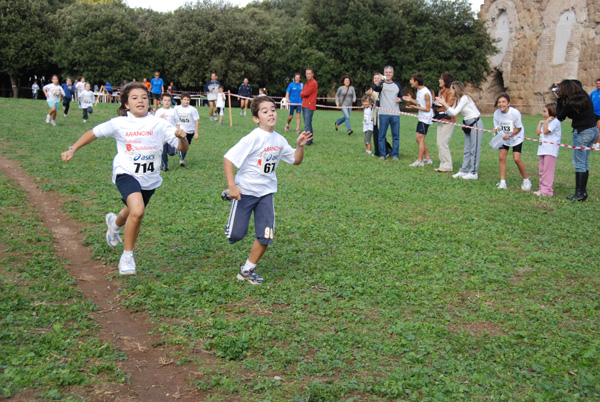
<point x="465" y="105"/>
<point x="549" y="130"/>
<point x="507" y="120"/>
<point x="140" y="138"/>
<point x="54" y="93"/>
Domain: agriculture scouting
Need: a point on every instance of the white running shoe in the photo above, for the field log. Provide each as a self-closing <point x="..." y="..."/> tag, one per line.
<point x="471" y="176"/>
<point x="112" y="237"/>
<point x="126" y="265"/>
<point x="501" y="185"/>
<point x="428" y="161"/>
<point x="181" y="163"/>
<point x="64" y="115"/>
<point x="458" y="174"/>
<point x="526" y="186"/>
<point x="48" y="118"/>
<point x="84" y="120"/>
<point x="417" y="163"/>
<point x="241" y="112"/>
<point x="53" y="123"/>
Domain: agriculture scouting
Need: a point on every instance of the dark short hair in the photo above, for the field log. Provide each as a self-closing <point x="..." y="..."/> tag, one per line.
<point x="502" y="95"/>
<point x="256" y="102"/>
<point x="309" y="68"/>
<point x="418" y="77"/>
<point x="167" y="95"/>
<point x="186" y="95"/>
<point x="344" y="78"/>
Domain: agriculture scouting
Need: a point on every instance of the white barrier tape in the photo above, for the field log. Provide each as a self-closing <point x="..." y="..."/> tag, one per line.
<point x="491" y="131"/>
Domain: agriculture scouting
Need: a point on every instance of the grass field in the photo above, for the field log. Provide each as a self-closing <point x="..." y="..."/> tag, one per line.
<point x="385" y="282"/>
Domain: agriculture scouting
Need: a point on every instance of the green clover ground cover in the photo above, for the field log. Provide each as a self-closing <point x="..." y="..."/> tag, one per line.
<point x="385" y="282"/>
<point x="48" y="338"/>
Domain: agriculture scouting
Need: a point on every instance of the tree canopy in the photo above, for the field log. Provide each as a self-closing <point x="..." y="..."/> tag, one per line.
<point x="265" y="41"/>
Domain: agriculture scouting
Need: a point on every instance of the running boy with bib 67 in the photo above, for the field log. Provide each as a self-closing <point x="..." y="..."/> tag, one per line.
<point x="257" y="156"/>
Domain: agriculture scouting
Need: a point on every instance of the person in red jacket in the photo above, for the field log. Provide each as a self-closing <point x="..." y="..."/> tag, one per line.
<point x="309" y="101"/>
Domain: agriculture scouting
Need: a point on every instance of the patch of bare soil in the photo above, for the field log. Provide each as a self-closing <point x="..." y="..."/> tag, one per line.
<point x="154" y="374"/>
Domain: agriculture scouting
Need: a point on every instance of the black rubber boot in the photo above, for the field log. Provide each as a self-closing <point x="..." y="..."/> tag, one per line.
<point x="584" y="185"/>
<point x="578" y="196"/>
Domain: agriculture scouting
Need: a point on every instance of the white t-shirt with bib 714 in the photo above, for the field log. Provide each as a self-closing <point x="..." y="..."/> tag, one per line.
<point x="506" y="124"/>
<point x="553" y="136"/>
<point x="257" y="156"/>
<point x="140" y="142"/>
<point x="186" y="118"/>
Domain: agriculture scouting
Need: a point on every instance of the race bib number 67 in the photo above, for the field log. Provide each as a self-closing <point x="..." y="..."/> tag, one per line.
<point x="268" y="163"/>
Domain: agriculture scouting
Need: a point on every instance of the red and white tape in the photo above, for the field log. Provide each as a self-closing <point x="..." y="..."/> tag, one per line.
<point x="491" y="131"/>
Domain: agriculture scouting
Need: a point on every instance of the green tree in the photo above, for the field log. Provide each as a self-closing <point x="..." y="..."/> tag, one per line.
<point x="103" y="42"/>
<point x="24" y="47"/>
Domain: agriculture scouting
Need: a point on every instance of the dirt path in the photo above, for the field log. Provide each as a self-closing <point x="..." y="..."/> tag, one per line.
<point x="154" y="374"/>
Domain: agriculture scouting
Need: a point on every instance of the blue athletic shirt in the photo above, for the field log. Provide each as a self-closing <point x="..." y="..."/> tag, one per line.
<point x="294" y="91"/>
<point x="69" y="89"/>
<point x="156" y="85"/>
<point x="595" y="95"/>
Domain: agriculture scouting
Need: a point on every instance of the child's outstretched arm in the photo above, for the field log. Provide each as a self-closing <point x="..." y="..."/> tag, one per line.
<point x="234" y="191"/>
<point x="303" y="138"/>
<point x="183" y="145"/>
<point x="85" y="139"/>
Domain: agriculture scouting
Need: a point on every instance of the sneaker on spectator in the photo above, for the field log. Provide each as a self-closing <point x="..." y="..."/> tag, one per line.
<point x="53" y="123"/>
<point x="181" y="163"/>
<point x="501" y="186"/>
<point x="526" y="186"/>
<point x="84" y="120"/>
<point x="126" y="265"/>
<point x="417" y="163"/>
<point x="458" y="174"/>
<point x="112" y="237"/>
<point x="250" y="276"/>
<point x="48" y="118"/>
<point x="287" y="127"/>
<point x="471" y="176"/>
<point x="428" y="161"/>
<point x="241" y="112"/>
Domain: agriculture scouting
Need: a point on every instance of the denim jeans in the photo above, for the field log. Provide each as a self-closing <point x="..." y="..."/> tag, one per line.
<point x="345" y="119"/>
<point x="308" y="115"/>
<point x="583" y="138"/>
<point x="386" y="120"/>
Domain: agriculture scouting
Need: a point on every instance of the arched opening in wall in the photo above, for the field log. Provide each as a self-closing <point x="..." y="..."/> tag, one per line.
<point x="564" y="28"/>
<point x="496" y="83"/>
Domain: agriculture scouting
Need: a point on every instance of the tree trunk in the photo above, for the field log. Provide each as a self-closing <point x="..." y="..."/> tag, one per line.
<point x="13" y="84"/>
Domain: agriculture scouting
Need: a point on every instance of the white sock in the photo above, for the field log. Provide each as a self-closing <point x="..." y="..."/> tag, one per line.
<point x="502" y="181"/>
<point x="127" y="253"/>
<point x="248" y="266"/>
<point x="113" y="226"/>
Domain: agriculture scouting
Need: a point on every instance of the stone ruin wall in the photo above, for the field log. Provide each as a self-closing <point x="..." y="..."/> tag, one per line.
<point x="540" y="42"/>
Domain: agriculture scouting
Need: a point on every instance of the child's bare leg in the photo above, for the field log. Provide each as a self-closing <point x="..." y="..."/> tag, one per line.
<point x="257" y="251"/>
<point x="297" y="121"/>
<point x="422" y="147"/>
<point x="520" y="164"/>
<point x="132" y="214"/>
<point x="502" y="163"/>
